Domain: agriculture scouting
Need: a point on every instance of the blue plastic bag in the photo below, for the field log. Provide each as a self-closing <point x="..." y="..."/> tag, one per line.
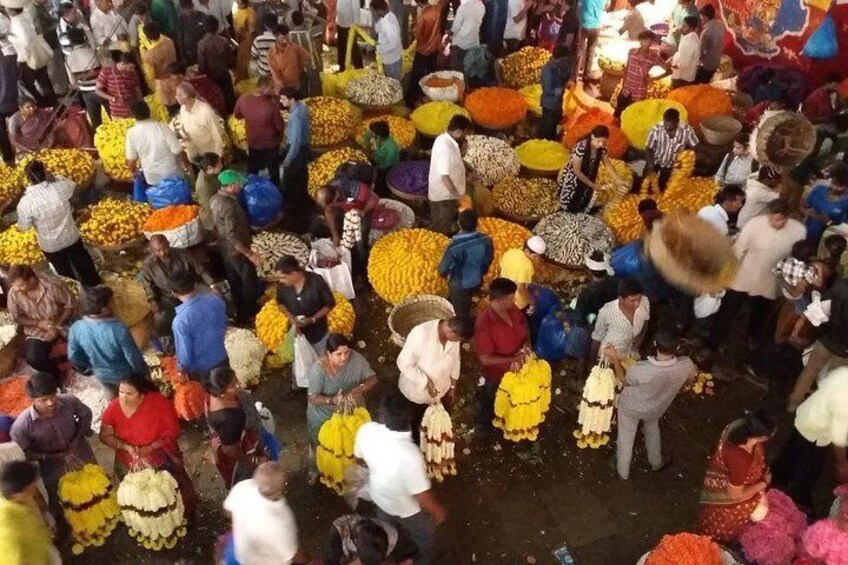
<point x="139" y="193"/>
<point x="626" y="261"/>
<point x="545" y="301"/>
<point x="550" y="339"/>
<point x="171" y="191"/>
<point x="823" y="44"/>
<point x="262" y="200"/>
<point x="272" y="445"/>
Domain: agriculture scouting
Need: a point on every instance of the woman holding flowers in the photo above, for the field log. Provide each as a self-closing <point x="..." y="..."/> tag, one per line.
<point x="576" y="185"/>
<point x="737" y="476"/>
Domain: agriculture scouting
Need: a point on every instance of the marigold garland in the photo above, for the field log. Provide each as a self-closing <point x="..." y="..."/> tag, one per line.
<point x="496" y="107"/>
<point x="13" y="396"/>
<point x="405" y="263"/>
<point x="110" y="141"/>
<point x="533" y="96"/>
<point x="685" y="549"/>
<point x="342" y="318"/>
<point x="335" y="446"/>
<point x="189" y="400"/>
<point x="171" y="217"/>
<point x="237" y="131"/>
<point x="505" y="236"/>
<point x="522" y="400"/>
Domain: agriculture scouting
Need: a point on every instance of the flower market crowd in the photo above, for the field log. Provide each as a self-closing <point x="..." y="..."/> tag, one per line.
<point x="201" y="194"/>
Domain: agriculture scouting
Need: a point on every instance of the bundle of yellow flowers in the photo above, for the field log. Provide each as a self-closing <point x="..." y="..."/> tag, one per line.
<point x="505" y="236"/>
<point x="19" y="247"/>
<point x="323" y="169"/>
<point x="335" y="445"/>
<point x="113" y="223"/>
<point x="238" y="132"/>
<point x="246" y="86"/>
<point x="704" y="385"/>
<point x="331" y="120"/>
<point x="400" y="129"/>
<point x="533" y="96"/>
<point x="432" y="118"/>
<point x="657" y="88"/>
<point x="342" y="317"/>
<point x="11" y="187"/>
<point x="73" y="164"/>
<point x="89" y="505"/>
<point x="110" y="141"/>
<point x="542" y="155"/>
<point x="158" y="111"/>
<point x="525" y="199"/>
<point x="522" y="400"/>
<point x="524" y="67"/>
<point x="405" y="263"/>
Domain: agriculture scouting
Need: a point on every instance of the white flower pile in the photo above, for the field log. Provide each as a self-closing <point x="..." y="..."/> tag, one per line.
<point x="8" y="329"/>
<point x="90" y="393"/>
<point x="152" y="508"/>
<point x="374" y="90"/>
<point x="273" y="245"/>
<point x="246" y="354"/>
<point x="491" y="159"/>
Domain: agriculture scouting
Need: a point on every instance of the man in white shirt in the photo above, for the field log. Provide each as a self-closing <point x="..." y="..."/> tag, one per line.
<point x="218" y="9"/>
<point x="429" y="364"/>
<point x="388" y="39"/>
<point x="27" y="42"/>
<point x="264" y="529"/>
<point x="622" y="322"/>
<point x="347" y="15"/>
<point x="761" y="188"/>
<point x="8" y="89"/>
<point x="446" y="181"/>
<point x="465" y="31"/>
<point x="729" y="201"/>
<point x="151" y="146"/>
<point x="397" y="475"/>
<point x="107" y="27"/>
<point x="516" y="23"/>
<point x="684" y="62"/>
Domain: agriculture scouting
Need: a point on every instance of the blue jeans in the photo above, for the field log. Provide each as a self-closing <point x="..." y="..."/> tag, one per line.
<point x="393" y="70"/>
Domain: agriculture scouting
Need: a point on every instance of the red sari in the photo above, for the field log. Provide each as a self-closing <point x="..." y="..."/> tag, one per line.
<point x="722" y="518"/>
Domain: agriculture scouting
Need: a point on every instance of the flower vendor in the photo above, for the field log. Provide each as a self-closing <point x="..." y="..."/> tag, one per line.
<point x="351" y="532"/>
<point x="446" y="183"/>
<point x="119" y="85"/>
<point x="388" y="32"/>
<point x="260" y="111"/>
<point x="298" y="152"/>
<point x="264" y="527"/>
<point x="576" y="186"/>
<point x="234" y="239"/>
<point x="286" y="61"/>
<point x="501" y="341"/>
<point x="200" y="129"/>
<point x="640" y="61"/>
<point x="29" y="128"/>
<point x="155" y="276"/>
<point x="555" y="80"/>
<point x="397" y="481"/>
<point x="517" y="266"/>
<point x="712" y="38"/>
<point x="684" y="62"/>
<point x="622" y="322"/>
<point x="244" y="26"/>
<point x="216" y="56"/>
<point x="142" y="427"/>
<point x="152" y="148"/>
<point x="199" y="327"/>
<point x="682" y="10"/>
<point x="159" y="55"/>
<point x="235" y="427"/>
<point x="428" y="37"/>
<point x="340" y="376"/>
<point x="465" y="262"/>
<point x="46" y="207"/>
<point x="429" y="364"/>
<point x="52" y="432"/>
<point x="728" y="201"/>
<point x="305" y="299"/>
<point x="761" y="188"/>
<point x="737" y="476"/>
<point x="650" y="386"/>
<point x="43" y="306"/>
<point x="347" y="15"/>
<point x="101" y="344"/>
<point x="827" y="203"/>
<point x="25" y="537"/>
<point x="665" y="142"/>
<point x="384" y="152"/>
<point x="737" y="165"/>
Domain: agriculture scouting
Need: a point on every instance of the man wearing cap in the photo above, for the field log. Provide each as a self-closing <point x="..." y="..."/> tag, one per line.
<point x="517" y="266"/>
<point x="601" y="289"/>
<point x="234" y="239"/>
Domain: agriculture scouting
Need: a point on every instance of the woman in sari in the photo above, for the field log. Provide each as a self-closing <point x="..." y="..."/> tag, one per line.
<point x="142" y="427"/>
<point x="244" y="25"/>
<point x="576" y="186"/>
<point x="341" y="377"/>
<point x="235" y="427"/>
<point x="736" y="479"/>
<point x="29" y="128"/>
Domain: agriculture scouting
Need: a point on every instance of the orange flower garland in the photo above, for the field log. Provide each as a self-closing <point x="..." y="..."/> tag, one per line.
<point x="496" y="107"/>
<point x="170" y="217"/>
<point x="189" y="400"/>
<point x="685" y="549"/>
<point x="583" y="125"/>
<point x="13" y="396"/>
<point x="702" y="101"/>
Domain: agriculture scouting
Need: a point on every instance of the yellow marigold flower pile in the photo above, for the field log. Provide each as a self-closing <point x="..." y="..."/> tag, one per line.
<point x="90" y="506"/>
<point x="641" y="116"/>
<point x="237" y="131"/>
<point x="525" y="199"/>
<point x="524" y="67"/>
<point x="112" y="222"/>
<point x="19" y="247"/>
<point x="533" y="96"/>
<point x="657" y="88"/>
<point x="432" y="118"/>
<point x="323" y="169"/>
<point x="405" y="263"/>
<point x="73" y="164"/>
<point x="542" y="155"/>
<point x="606" y="189"/>
<point x="342" y="317"/>
<point x="505" y="236"/>
<point x="332" y="121"/>
<point x="522" y="400"/>
<point x="11" y="187"/>
<point x="400" y="129"/>
<point x="110" y="141"/>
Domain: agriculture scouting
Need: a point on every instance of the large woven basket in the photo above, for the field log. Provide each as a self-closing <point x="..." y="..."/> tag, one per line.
<point x="417" y="310"/>
<point x="783" y="139"/>
<point x="129" y="302"/>
<point x="720" y="130"/>
<point x="414" y="198"/>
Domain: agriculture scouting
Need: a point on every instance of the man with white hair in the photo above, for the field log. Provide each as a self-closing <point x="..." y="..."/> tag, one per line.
<point x="264" y="529"/>
<point x="517" y="266"/>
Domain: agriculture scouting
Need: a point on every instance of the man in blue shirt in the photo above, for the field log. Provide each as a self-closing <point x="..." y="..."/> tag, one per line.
<point x="101" y="344"/>
<point x="199" y="327"/>
<point x="590" y="12"/>
<point x="298" y="152"/>
<point x="465" y="262"/>
<point x="555" y="78"/>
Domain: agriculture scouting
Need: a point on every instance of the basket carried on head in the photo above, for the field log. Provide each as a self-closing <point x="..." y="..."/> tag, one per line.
<point x="720" y="130"/>
<point x="783" y="139"/>
<point x="417" y="310"/>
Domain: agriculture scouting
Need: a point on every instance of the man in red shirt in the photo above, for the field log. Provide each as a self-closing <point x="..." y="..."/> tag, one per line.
<point x="634" y="85"/>
<point x="502" y="341"/>
<point x="260" y="111"/>
<point x="824" y="103"/>
<point x="119" y="85"/>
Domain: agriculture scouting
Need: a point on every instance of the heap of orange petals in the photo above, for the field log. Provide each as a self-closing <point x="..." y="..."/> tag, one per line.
<point x="496" y="107"/>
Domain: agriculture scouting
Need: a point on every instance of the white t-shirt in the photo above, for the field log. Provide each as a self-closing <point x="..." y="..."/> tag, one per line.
<point x="156" y="146"/>
<point x="396" y="469"/>
<point x="513" y="29"/>
<point x="466" y="24"/>
<point x="347" y="13"/>
<point x="685" y="60"/>
<point x="445" y="159"/>
<point x="388" y="39"/>
<point x="717" y="216"/>
<point x="264" y="531"/>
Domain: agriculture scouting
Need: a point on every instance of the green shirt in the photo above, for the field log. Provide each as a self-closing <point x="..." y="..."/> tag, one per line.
<point x="164" y="13"/>
<point x="387" y="154"/>
<point x="205" y="188"/>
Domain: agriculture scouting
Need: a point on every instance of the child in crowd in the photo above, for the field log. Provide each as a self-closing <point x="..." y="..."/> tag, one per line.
<point x="384" y="151"/>
<point x="797" y="272"/>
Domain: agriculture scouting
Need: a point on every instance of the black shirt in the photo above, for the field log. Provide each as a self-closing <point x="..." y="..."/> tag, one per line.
<point x="314" y="296"/>
<point x="594" y="296"/>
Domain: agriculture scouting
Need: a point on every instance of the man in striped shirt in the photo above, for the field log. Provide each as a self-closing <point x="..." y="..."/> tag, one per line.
<point x="84" y="67"/>
<point x="665" y="142"/>
<point x="119" y="85"/>
<point x="263" y="43"/>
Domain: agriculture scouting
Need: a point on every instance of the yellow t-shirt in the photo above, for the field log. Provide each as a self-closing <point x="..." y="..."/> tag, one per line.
<point x="517" y="267"/>
<point x="24" y="536"/>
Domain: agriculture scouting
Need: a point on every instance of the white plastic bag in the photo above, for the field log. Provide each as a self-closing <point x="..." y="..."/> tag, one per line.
<point x="356" y="485"/>
<point x="265" y="416"/>
<point x="304" y="358"/>
<point x="338" y="278"/>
